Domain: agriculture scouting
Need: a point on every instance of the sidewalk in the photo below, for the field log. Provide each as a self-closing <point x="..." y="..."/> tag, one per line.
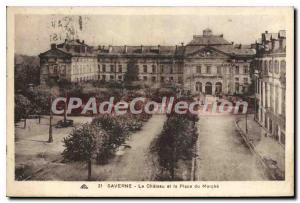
<point x="270" y="152"/>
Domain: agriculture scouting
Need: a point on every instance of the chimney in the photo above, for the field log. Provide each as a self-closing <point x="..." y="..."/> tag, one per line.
<point x="266" y="31"/>
<point x="109" y="49"/>
<point x="53" y="46"/>
<point x="125" y="49"/>
<point x="82" y="41"/>
<point x="182" y="44"/>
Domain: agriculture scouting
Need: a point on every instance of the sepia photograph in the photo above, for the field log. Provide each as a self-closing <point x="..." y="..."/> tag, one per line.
<point x="150" y="99"/>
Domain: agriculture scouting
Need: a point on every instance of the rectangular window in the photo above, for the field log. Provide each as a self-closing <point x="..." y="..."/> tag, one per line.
<point x="208" y="69"/>
<point x="153" y="68"/>
<point x="120" y="68"/>
<point x="112" y="77"/>
<point x="145" y="68"/>
<point x="112" y="68"/>
<point x="103" y="68"/>
<point x="271" y="67"/>
<point x="145" y="78"/>
<point x="120" y="77"/>
<point x="103" y="77"/>
<point x="246" y="70"/>
<point x="198" y="69"/>
<point x="219" y="70"/>
<point x="153" y="79"/>
<point x="237" y="70"/>
<point x="162" y="79"/>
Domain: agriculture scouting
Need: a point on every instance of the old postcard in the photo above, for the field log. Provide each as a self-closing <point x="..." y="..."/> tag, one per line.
<point x="150" y="101"/>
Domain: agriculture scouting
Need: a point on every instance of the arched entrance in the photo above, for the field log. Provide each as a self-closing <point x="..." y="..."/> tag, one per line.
<point x="198" y="86"/>
<point x="208" y="88"/>
<point x="218" y="88"/>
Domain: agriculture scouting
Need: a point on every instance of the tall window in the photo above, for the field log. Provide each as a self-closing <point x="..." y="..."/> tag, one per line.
<point x="104" y="68"/>
<point x="237" y="70"/>
<point x="161" y="68"/>
<point x="276" y="99"/>
<point x="145" y="68"/>
<point x="208" y="69"/>
<point x="246" y="69"/>
<point x="219" y="70"/>
<point x="266" y="67"/>
<point x="270" y="67"/>
<point x="112" y="68"/>
<point x="276" y="67"/>
<point x="153" y="68"/>
<point x="120" y="68"/>
<point x="282" y="67"/>
<point x="198" y="69"/>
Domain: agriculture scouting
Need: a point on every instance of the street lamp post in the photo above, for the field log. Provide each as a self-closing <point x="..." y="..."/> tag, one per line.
<point x="246" y="118"/>
<point x="246" y="123"/>
<point x="50" y="140"/>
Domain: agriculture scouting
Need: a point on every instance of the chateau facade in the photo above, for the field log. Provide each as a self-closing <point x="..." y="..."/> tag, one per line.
<point x="270" y="82"/>
<point x="208" y="64"/>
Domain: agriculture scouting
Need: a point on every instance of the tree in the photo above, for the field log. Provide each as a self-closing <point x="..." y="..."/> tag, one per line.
<point x="132" y="72"/>
<point x="175" y="143"/>
<point x="81" y="145"/>
<point x="40" y="101"/>
<point x="22" y="108"/>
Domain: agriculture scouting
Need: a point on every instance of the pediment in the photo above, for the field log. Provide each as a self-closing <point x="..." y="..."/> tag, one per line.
<point x="207" y="52"/>
<point x="54" y="53"/>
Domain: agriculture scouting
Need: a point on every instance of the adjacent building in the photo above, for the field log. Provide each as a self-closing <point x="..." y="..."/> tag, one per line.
<point x="72" y="60"/>
<point x="270" y="83"/>
<point x="208" y="64"/>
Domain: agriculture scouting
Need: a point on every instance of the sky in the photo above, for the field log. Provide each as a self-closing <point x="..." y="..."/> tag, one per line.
<point x="34" y="33"/>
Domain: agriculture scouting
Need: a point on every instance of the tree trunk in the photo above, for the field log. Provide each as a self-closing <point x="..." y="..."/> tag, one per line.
<point x="89" y="169"/>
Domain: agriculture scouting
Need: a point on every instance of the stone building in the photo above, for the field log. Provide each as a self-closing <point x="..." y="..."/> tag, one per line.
<point x="208" y="64"/>
<point x="72" y="60"/>
<point x="213" y="65"/>
<point x="270" y="83"/>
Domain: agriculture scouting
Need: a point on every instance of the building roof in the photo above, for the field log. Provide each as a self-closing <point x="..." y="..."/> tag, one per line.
<point x="208" y="40"/>
<point x="140" y="50"/>
<point x="217" y="42"/>
<point x="71" y="48"/>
